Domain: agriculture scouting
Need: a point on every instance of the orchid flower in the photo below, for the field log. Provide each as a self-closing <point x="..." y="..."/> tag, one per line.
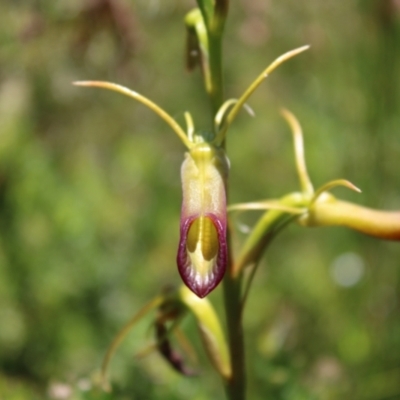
<point x="202" y="252"/>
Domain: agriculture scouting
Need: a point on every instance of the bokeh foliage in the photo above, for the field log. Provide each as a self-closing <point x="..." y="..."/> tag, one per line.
<point x="90" y="193"/>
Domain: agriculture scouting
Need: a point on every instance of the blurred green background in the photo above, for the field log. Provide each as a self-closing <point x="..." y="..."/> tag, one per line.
<point x="90" y="194"/>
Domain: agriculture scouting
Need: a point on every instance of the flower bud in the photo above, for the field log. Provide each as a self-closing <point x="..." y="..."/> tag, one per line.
<point x="202" y="252"/>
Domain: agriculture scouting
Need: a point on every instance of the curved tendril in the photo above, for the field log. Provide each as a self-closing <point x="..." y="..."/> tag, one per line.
<point x="330" y="185"/>
<point x="189" y="126"/>
<point x="144" y="100"/>
<point x="305" y="182"/>
<point x="234" y="111"/>
<point x="122" y="334"/>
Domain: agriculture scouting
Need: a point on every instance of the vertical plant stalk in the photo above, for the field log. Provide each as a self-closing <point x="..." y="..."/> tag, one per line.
<point x="214" y="14"/>
<point x="216" y="88"/>
<point x="236" y="383"/>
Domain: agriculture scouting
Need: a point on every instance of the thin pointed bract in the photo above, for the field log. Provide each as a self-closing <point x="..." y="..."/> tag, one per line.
<point x="305" y="182"/>
<point x="330" y="185"/>
<point x="142" y="99"/>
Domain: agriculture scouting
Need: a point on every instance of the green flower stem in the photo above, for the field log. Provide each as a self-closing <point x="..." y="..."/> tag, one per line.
<point x="235" y="384"/>
<point x="377" y="223"/>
